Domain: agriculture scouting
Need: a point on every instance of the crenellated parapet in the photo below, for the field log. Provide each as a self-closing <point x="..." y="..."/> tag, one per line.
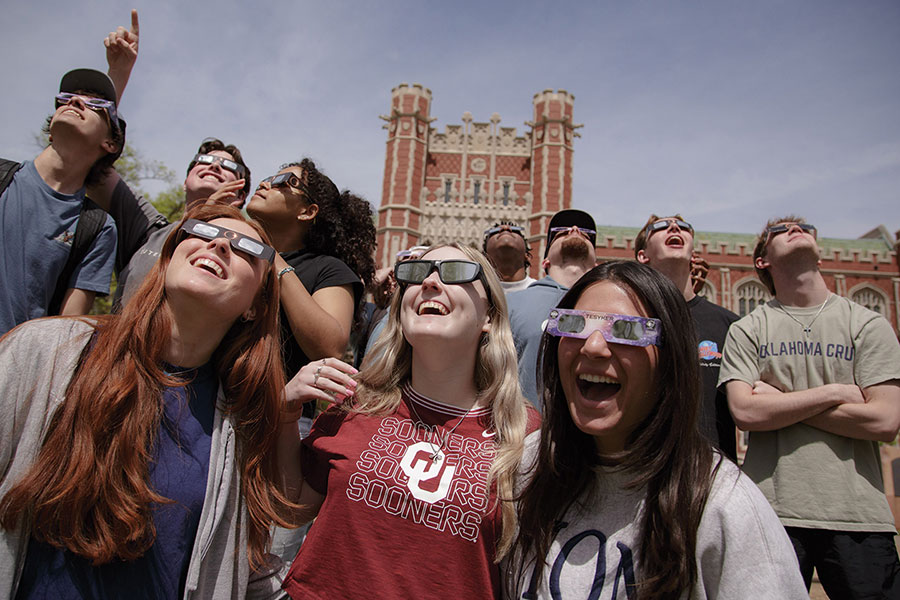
<point x="480" y="138"/>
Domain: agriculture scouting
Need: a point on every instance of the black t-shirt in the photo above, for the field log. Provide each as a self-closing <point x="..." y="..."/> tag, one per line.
<point x="711" y="322"/>
<point x="315" y="271"/>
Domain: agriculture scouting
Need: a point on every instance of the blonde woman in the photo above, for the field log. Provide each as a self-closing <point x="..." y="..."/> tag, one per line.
<point x="411" y="478"/>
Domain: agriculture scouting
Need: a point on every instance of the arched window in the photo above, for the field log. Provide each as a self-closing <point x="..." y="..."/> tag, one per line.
<point x="750" y="294"/>
<point x="870" y="298"/>
<point x="708" y="292"/>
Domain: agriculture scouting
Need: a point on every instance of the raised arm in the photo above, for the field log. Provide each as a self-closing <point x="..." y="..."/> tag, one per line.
<point x="320" y="322"/>
<point x="121" y="54"/>
<point x="762" y="407"/>
<point x="878" y="419"/>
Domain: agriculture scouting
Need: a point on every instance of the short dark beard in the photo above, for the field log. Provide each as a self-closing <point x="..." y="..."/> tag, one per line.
<point x="574" y="249"/>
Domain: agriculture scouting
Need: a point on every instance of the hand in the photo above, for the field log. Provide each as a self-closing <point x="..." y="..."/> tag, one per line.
<point x="384" y="287"/>
<point x="122" y="52"/>
<point x="848" y="393"/>
<point x="328" y="379"/>
<point x="230" y="193"/>
<point x="699" y="271"/>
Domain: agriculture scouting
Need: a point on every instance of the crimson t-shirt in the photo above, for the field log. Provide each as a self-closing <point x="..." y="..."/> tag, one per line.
<point x="395" y="522"/>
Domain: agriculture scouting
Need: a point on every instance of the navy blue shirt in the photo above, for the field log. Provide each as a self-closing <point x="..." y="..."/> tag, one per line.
<point x="178" y="471"/>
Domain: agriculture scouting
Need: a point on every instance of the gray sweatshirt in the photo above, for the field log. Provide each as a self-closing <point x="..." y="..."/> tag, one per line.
<point x="742" y="549"/>
<point x="37" y="361"/>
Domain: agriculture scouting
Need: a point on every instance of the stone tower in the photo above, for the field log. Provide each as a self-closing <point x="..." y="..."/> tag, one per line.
<point x="450" y="186"/>
<point x="404" y="171"/>
<point x="552" y="136"/>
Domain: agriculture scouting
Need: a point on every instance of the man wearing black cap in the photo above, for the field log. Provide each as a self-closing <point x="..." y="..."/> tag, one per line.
<point x="40" y="206"/>
<point x="570" y="253"/>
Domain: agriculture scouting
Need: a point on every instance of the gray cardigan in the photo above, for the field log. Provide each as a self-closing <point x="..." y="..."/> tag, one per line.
<point x="37" y="360"/>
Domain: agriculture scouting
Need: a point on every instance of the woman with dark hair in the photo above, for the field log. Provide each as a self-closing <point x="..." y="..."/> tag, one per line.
<point x="411" y="479"/>
<point x="326" y="242"/>
<point x="650" y="510"/>
<point x="138" y="450"/>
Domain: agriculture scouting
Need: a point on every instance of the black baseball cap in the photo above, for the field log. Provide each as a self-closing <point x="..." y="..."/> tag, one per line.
<point x="570" y="217"/>
<point x="89" y="80"/>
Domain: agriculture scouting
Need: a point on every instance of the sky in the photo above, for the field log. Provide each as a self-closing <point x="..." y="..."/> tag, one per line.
<point x="727" y="112"/>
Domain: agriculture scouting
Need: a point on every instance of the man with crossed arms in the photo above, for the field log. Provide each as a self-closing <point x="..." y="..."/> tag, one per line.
<point x="815" y="378"/>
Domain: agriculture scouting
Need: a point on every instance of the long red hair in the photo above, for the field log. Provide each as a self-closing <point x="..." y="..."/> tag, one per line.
<point x="88" y="491"/>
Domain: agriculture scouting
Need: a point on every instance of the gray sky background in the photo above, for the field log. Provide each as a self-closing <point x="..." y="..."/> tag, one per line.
<point x="729" y="112"/>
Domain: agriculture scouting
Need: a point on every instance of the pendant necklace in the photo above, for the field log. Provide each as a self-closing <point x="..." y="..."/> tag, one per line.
<point x="437" y="452"/>
<point x="807" y="329"/>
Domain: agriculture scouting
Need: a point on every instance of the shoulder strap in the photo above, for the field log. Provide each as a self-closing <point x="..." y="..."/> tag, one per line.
<point x="8" y="169"/>
<point x="90" y="222"/>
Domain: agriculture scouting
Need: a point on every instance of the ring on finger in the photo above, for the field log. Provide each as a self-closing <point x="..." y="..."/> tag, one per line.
<point x="316" y="380"/>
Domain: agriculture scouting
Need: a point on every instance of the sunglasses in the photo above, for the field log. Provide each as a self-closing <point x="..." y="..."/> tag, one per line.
<point x="452" y="272"/>
<point x="666" y="223"/>
<point x="229" y="165"/>
<point x="495" y="230"/>
<point x="239" y="241"/>
<point x="784" y="227"/>
<point x="618" y="329"/>
<point x="284" y="180"/>
<point x="95" y="104"/>
<point x="591" y="234"/>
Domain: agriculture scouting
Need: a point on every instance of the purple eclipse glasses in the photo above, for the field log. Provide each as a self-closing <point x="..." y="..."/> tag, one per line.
<point x="618" y="329"/>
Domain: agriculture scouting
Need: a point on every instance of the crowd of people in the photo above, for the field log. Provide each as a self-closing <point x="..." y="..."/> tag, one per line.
<point x="469" y="432"/>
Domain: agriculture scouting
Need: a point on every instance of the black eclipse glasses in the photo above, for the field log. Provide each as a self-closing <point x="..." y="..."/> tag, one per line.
<point x="785" y="227"/>
<point x="209" y="159"/>
<point x="495" y="230"/>
<point x="239" y="241"/>
<point x="454" y="272"/>
<point x="285" y="180"/>
<point x="663" y="224"/>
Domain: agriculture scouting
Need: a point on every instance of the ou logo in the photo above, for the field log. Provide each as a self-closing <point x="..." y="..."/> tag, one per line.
<point x="421" y="471"/>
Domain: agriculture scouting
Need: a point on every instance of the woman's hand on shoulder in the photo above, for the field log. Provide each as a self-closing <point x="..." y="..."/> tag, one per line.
<point x="328" y="379"/>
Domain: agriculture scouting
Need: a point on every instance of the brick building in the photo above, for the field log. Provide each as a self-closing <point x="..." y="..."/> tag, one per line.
<point x="452" y="185"/>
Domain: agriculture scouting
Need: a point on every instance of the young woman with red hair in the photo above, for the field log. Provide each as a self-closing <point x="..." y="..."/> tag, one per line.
<point x="137" y="451"/>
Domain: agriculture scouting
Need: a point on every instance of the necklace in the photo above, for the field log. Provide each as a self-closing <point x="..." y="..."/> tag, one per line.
<point x="436" y="452"/>
<point x="807" y="329"/>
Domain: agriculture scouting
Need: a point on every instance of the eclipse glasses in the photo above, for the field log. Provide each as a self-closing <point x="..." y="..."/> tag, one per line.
<point x="618" y="329"/>
<point x="784" y="227"/>
<point x="663" y="224"/>
<point x="239" y="241"/>
<point x="95" y="104"/>
<point x="209" y="159"/>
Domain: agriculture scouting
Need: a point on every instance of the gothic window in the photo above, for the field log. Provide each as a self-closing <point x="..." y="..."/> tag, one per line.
<point x="448" y="185"/>
<point x="476" y="189"/>
<point x="749" y="295"/>
<point x="708" y="292"/>
<point x="505" y="193"/>
<point x="871" y="299"/>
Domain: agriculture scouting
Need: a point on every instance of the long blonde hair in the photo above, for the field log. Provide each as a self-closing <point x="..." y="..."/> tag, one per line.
<point x="389" y="364"/>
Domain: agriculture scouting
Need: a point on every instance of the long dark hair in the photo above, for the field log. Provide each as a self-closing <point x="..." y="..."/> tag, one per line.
<point x="343" y="227"/>
<point x="112" y="412"/>
<point x="665" y="454"/>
